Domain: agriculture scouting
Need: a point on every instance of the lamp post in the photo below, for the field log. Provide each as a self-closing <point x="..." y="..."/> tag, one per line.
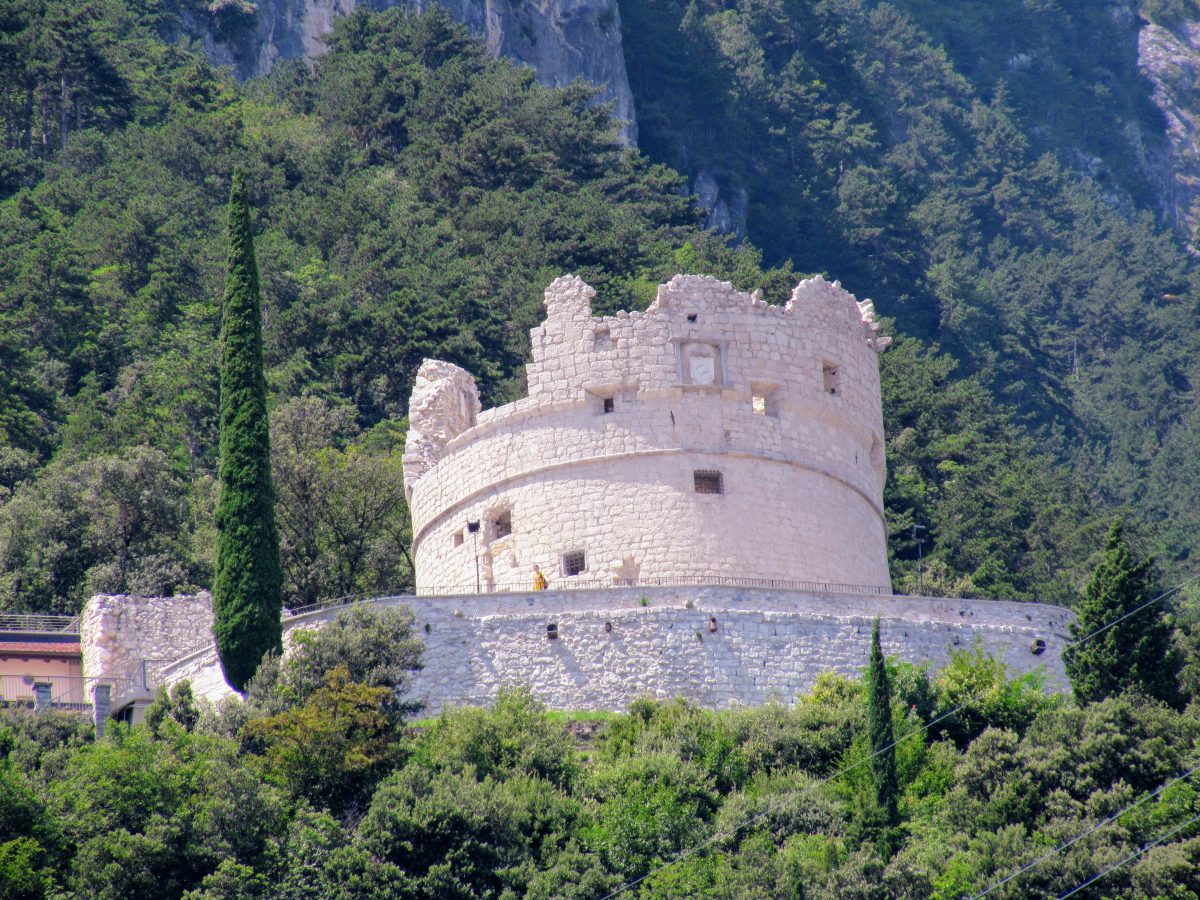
<point x="473" y="528"/>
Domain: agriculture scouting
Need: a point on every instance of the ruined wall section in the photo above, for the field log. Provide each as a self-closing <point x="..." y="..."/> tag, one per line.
<point x="119" y="633"/>
<point x="781" y="403"/>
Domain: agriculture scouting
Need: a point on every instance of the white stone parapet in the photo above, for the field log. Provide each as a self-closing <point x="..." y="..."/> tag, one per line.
<point x="711" y="435"/>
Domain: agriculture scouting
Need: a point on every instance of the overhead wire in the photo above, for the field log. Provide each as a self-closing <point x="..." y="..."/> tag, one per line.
<point x="1081" y="835"/>
<point x="1131" y="857"/>
<point x="712" y="839"/>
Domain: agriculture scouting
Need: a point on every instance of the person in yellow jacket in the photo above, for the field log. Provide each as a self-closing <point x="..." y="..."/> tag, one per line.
<point x="539" y="580"/>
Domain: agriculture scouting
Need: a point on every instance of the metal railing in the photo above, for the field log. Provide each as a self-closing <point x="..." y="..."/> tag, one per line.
<point x="575" y="583"/>
<point x="72" y="692"/>
<point x="40" y="624"/>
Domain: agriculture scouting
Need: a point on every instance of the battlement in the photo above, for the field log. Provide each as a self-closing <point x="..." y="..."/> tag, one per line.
<point x="712" y="434"/>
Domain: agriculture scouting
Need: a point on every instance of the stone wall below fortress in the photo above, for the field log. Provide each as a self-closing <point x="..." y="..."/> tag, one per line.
<point x="614" y="645"/>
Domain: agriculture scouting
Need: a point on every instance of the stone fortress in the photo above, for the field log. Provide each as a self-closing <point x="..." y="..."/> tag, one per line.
<point x="712" y="435"/>
<point x="702" y="485"/>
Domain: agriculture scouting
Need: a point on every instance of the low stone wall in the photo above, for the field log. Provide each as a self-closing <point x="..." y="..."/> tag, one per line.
<point x="118" y="633"/>
<point x="617" y="644"/>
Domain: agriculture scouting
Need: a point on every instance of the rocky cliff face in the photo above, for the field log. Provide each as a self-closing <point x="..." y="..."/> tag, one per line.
<point x="560" y="39"/>
<point x="1170" y="59"/>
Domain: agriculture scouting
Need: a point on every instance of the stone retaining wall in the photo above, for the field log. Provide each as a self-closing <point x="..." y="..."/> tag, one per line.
<point x="766" y="644"/>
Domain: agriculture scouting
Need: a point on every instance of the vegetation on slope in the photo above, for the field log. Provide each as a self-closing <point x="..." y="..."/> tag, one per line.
<point x="413" y="197"/>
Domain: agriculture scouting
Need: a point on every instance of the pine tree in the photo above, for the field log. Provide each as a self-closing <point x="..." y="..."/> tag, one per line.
<point x="247" y="589"/>
<point x="1136" y="653"/>
<point x="879" y="724"/>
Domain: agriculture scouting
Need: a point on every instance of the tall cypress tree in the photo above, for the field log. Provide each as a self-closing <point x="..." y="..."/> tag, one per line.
<point x="1136" y="653"/>
<point x="879" y="724"/>
<point x="248" y="588"/>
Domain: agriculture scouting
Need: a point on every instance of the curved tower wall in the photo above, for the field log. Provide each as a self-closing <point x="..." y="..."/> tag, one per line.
<point x="631" y="421"/>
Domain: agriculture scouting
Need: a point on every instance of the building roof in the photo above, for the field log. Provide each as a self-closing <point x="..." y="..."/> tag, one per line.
<point x="39" y="648"/>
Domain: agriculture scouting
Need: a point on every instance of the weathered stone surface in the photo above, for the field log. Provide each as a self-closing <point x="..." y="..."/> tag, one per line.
<point x="118" y="633"/>
<point x="780" y="404"/>
<point x="1170" y="59"/>
<point x="767" y="645"/>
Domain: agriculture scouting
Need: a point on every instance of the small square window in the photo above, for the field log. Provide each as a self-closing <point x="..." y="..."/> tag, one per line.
<point x="456" y="539"/>
<point x="708" y="481"/>
<point x="573" y="563"/>
<point x="602" y="339"/>
<point x="610" y="404"/>
<point x="764" y="399"/>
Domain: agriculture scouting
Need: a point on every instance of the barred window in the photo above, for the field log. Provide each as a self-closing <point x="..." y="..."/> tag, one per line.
<point x="708" y="481"/>
<point x="573" y="563"/>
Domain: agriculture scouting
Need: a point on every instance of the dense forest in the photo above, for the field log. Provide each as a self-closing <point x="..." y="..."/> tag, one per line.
<point x="414" y="196"/>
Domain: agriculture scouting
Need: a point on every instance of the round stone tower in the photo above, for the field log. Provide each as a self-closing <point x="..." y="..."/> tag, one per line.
<point x="711" y="437"/>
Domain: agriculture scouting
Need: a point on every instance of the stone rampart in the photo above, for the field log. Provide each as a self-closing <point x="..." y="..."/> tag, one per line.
<point x="613" y="645"/>
<point x="711" y="435"/>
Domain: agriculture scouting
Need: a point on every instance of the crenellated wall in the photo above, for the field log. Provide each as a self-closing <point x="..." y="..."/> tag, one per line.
<point x="779" y="404"/>
<point x="615" y="645"/>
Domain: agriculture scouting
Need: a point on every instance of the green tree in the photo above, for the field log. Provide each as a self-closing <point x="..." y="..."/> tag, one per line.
<point x="1136" y="652"/>
<point x="247" y="590"/>
<point x="879" y="724"/>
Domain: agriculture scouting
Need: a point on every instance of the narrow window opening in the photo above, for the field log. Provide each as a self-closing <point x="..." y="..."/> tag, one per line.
<point x="456" y="539"/>
<point x="758" y="403"/>
<point x="609" y="404"/>
<point x="708" y="481"/>
<point x="831" y="377"/>
<point x="602" y="339"/>
<point x="502" y="523"/>
<point x="573" y="563"/>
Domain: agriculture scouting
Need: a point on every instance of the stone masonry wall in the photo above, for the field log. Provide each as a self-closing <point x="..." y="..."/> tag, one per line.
<point x="117" y="633"/>
<point x="768" y="645"/>
<point x="600" y="458"/>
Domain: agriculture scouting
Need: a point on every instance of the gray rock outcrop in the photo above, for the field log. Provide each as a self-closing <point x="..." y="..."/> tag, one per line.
<point x="1170" y="59"/>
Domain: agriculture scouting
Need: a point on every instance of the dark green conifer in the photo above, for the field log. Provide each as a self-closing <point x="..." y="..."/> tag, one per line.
<point x="879" y="724"/>
<point x="247" y="589"/>
<point x="1136" y="653"/>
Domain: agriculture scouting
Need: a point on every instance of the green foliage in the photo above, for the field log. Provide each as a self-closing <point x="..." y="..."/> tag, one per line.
<point x="107" y="524"/>
<point x="331" y="798"/>
<point x="343" y="521"/>
<point x="974" y="691"/>
<point x="247" y="585"/>
<point x="374" y="645"/>
<point x="1136" y="652"/>
<point x="879" y="730"/>
<point x="334" y="748"/>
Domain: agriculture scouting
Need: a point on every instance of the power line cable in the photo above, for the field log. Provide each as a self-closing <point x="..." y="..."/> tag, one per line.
<point x="1065" y="844"/>
<point x="709" y="841"/>
<point x="1132" y="856"/>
